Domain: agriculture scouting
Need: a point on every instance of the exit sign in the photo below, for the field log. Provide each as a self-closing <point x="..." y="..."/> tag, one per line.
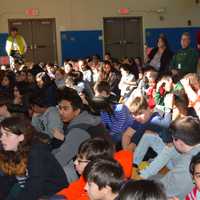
<point x="123" y="11"/>
<point x="32" y="12"/>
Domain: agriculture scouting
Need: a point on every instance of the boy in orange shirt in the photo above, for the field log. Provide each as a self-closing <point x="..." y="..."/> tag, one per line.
<point x="88" y="151"/>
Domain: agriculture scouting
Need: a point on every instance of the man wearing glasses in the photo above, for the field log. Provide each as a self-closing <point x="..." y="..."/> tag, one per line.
<point x="186" y="139"/>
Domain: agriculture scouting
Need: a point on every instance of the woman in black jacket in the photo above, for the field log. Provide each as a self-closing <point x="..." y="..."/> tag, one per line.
<point x="28" y="168"/>
<point x="160" y="56"/>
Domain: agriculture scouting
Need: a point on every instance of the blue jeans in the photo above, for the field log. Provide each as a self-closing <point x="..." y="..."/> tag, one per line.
<point x="166" y="155"/>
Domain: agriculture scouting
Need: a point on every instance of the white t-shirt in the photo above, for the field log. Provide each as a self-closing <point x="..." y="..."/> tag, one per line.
<point x="155" y="62"/>
<point x="15" y="45"/>
<point x="125" y="87"/>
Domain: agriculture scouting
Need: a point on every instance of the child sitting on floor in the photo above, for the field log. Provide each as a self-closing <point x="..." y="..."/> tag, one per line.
<point x="195" y="172"/>
<point x="90" y="150"/>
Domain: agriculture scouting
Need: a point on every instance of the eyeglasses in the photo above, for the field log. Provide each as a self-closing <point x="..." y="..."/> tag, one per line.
<point x="197" y="175"/>
<point x="79" y="160"/>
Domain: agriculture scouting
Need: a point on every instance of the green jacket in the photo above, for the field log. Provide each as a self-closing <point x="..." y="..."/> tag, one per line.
<point x="185" y="60"/>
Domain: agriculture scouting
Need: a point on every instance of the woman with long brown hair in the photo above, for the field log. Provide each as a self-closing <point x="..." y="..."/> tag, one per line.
<point x="160" y="56"/>
<point x="28" y="168"/>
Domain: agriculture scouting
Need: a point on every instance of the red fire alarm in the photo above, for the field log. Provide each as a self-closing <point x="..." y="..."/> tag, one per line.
<point x="123" y="11"/>
<point x="32" y="12"/>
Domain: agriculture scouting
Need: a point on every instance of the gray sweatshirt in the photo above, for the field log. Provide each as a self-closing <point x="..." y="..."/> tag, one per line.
<point x="178" y="181"/>
<point x="48" y="121"/>
<point x="73" y="139"/>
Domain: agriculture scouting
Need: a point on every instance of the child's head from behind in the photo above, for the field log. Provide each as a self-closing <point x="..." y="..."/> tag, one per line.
<point x="104" y="179"/>
<point x="181" y="102"/>
<point x="91" y="149"/>
<point x="195" y="169"/>
<point x="143" y="189"/>
<point x="140" y="110"/>
<point x="102" y="89"/>
<point x="185" y="133"/>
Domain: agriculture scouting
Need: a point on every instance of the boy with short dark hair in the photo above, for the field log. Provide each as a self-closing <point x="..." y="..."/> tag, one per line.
<point x="79" y="124"/>
<point x="102" y="88"/>
<point x="104" y="179"/>
<point x="88" y="151"/>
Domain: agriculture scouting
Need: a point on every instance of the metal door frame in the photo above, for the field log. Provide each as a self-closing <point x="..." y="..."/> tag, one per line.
<point x="53" y="20"/>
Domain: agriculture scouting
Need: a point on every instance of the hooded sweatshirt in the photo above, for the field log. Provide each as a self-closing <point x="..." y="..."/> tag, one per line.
<point x="73" y="139"/>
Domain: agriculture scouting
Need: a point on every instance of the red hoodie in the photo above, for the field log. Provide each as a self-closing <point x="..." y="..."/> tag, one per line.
<point x="76" y="191"/>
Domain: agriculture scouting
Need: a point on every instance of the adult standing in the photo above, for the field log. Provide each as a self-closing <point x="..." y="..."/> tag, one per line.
<point x="15" y="47"/>
<point x="160" y="56"/>
<point x="186" y="59"/>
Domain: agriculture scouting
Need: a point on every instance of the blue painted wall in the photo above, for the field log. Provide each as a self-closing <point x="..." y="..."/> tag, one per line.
<point x="3" y="37"/>
<point x="80" y="44"/>
<point x="173" y="35"/>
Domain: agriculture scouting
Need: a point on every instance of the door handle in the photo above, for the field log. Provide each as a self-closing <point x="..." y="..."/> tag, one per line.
<point x="30" y="47"/>
<point x="42" y="46"/>
<point x="35" y="46"/>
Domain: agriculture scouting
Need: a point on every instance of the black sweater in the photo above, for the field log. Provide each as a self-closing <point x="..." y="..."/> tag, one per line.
<point x="164" y="60"/>
<point x="45" y="175"/>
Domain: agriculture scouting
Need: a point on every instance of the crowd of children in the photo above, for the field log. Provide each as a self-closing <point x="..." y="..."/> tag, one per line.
<point x="83" y="130"/>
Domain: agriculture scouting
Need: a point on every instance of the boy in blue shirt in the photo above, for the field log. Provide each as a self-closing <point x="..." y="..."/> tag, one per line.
<point x="145" y="120"/>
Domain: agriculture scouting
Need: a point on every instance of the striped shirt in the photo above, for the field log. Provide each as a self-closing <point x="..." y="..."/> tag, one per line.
<point x="119" y="121"/>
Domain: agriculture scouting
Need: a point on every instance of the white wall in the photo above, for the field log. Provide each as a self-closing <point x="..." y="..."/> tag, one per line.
<point x="88" y="14"/>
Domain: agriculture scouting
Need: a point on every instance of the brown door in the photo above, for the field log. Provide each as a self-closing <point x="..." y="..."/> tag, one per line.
<point x="133" y="37"/>
<point x="113" y="35"/>
<point x="40" y="37"/>
<point x="44" y="43"/>
<point x="123" y="37"/>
